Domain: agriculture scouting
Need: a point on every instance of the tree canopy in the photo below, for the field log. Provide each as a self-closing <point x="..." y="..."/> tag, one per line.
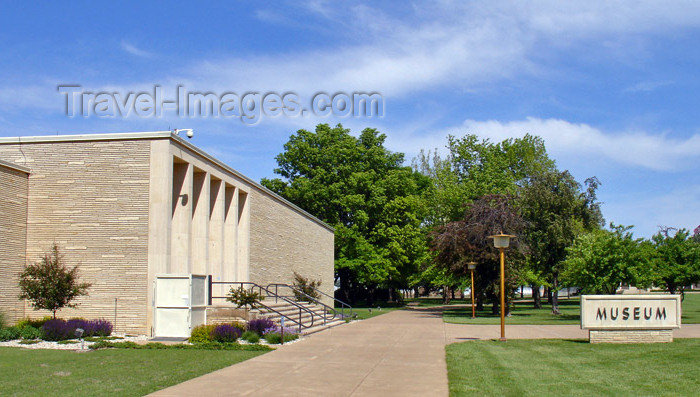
<point x="363" y="190"/>
<point x="599" y="261"/>
<point x="556" y="212"/>
<point x="477" y="167"/>
<point x="675" y="260"/>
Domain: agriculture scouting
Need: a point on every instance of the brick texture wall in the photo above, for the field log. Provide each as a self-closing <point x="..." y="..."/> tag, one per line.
<point x="283" y="241"/>
<point x="13" y="233"/>
<point x="91" y="198"/>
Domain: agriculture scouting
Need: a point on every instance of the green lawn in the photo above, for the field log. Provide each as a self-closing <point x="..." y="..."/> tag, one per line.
<point x="106" y="372"/>
<point x="364" y="313"/>
<point x="561" y="367"/>
<point x="691" y="308"/>
<point x="522" y="314"/>
<point x="569" y="308"/>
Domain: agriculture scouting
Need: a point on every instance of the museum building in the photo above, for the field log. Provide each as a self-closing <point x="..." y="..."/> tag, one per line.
<point x="129" y="208"/>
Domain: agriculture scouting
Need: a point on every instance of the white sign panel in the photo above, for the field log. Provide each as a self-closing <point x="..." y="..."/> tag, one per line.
<point x="619" y="312"/>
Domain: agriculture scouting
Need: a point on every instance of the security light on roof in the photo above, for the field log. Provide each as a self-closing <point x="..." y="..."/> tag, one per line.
<point x="189" y="131"/>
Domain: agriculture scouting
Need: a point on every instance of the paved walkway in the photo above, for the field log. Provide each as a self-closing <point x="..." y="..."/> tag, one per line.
<point x="401" y="353"/>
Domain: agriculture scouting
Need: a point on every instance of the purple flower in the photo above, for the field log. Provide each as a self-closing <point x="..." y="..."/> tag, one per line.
<point x="259" y="325"/>
<point x="226" y="333"/>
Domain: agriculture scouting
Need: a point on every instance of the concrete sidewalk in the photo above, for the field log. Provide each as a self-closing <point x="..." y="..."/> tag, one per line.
<point x="461" y="332"/>
<point x="401" y="353"/>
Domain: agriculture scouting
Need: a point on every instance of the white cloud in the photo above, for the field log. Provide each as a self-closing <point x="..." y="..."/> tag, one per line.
<point x="647" y="86"/>
<point x="566" y="140"/>
<point x="133" y="50"/>
<point x="563" y="138"/>
<point x="676" y="208"/>
<point x="443" y="44"/>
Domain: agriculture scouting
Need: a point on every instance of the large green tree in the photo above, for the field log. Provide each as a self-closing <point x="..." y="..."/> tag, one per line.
<point x="556" y="211"/>
<point x="599" y="261"/>
<point x="675" y="260"/>
<point x="475" y="167"/>
<point x="363" y="190"/>
<point x="471" y="169"/>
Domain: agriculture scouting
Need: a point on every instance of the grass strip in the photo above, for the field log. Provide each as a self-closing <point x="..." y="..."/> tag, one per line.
<point x="122" y="372"/>
<point x="573" y="368"/>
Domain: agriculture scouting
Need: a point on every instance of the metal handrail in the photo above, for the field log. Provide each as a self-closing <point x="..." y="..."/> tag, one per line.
<point x="298" y="292"/>
<point x="270" y="294"/>
<point x="342" y="304"/>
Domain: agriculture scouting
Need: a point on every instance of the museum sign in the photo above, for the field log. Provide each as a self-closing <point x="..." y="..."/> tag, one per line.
<point x="630" y="311"/>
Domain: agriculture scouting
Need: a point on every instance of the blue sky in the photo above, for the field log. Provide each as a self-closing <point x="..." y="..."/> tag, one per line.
<point x="612" y="87"/>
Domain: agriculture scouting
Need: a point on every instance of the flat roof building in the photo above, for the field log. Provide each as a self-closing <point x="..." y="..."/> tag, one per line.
<point x="128" y="207"/>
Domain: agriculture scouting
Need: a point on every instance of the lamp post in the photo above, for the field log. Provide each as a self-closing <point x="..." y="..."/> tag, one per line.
<point x="472" y="266"/>
<point x="502" y="241"/>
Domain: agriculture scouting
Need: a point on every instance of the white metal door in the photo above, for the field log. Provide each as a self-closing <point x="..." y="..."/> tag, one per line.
<point x="180" y="304"/>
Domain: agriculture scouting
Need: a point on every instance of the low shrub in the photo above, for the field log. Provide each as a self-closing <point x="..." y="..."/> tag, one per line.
<point x="240" y="325"/>
<point x="273" y="335"/>
<point x="101" y="338"/>
<point x="259" y="325"/>
<point x="59" y="329"/>
<point x="29" y="332"/>
<point x="226" y="333"/>
<point x="275" y="338"/>
<point x="10" y="333"/>
<point x="55" y="330"/>
<point x="244" y="298"/>
<point x="251" y="337"/>
<point x="29" y="341"/>
<point x="202" y="333"/>
<point x="305" y="289"/>
<point x="36" y="323"/>
<point x="99" y="327"/>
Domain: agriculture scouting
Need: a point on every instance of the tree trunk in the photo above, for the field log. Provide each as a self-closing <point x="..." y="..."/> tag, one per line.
<point x="391" y="295"/>
<point x="555" y="294"/>
<point x="549" y="296"/>
<point x="445" y="295"/>
<point x="452" y="292"/>
<point x="344" y="275"/>
<point x="370" y="296"/>
<point x="536" y="296"/>
<point x="479" y="302"/>
<point x="495" y="305"/>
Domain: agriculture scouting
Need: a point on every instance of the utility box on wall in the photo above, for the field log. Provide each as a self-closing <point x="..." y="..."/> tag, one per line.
<point x="180" y="304"/>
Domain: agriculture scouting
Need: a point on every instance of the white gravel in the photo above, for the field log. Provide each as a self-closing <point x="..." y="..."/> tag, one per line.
<point x="69" y="346"/>
<point x="76" y="346"/>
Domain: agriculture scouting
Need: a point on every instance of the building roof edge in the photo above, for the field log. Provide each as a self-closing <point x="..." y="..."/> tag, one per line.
<point x="155" y="135"/>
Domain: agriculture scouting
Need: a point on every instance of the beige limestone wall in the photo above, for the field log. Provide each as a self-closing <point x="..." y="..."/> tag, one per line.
<point x="283" y="241"/>
<point x="110" y="205"/>
<point x="91" y="197"/>
<point x="13" y="234"/>
<point x="631" y="336"/>
<point x="252" y="235"/>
